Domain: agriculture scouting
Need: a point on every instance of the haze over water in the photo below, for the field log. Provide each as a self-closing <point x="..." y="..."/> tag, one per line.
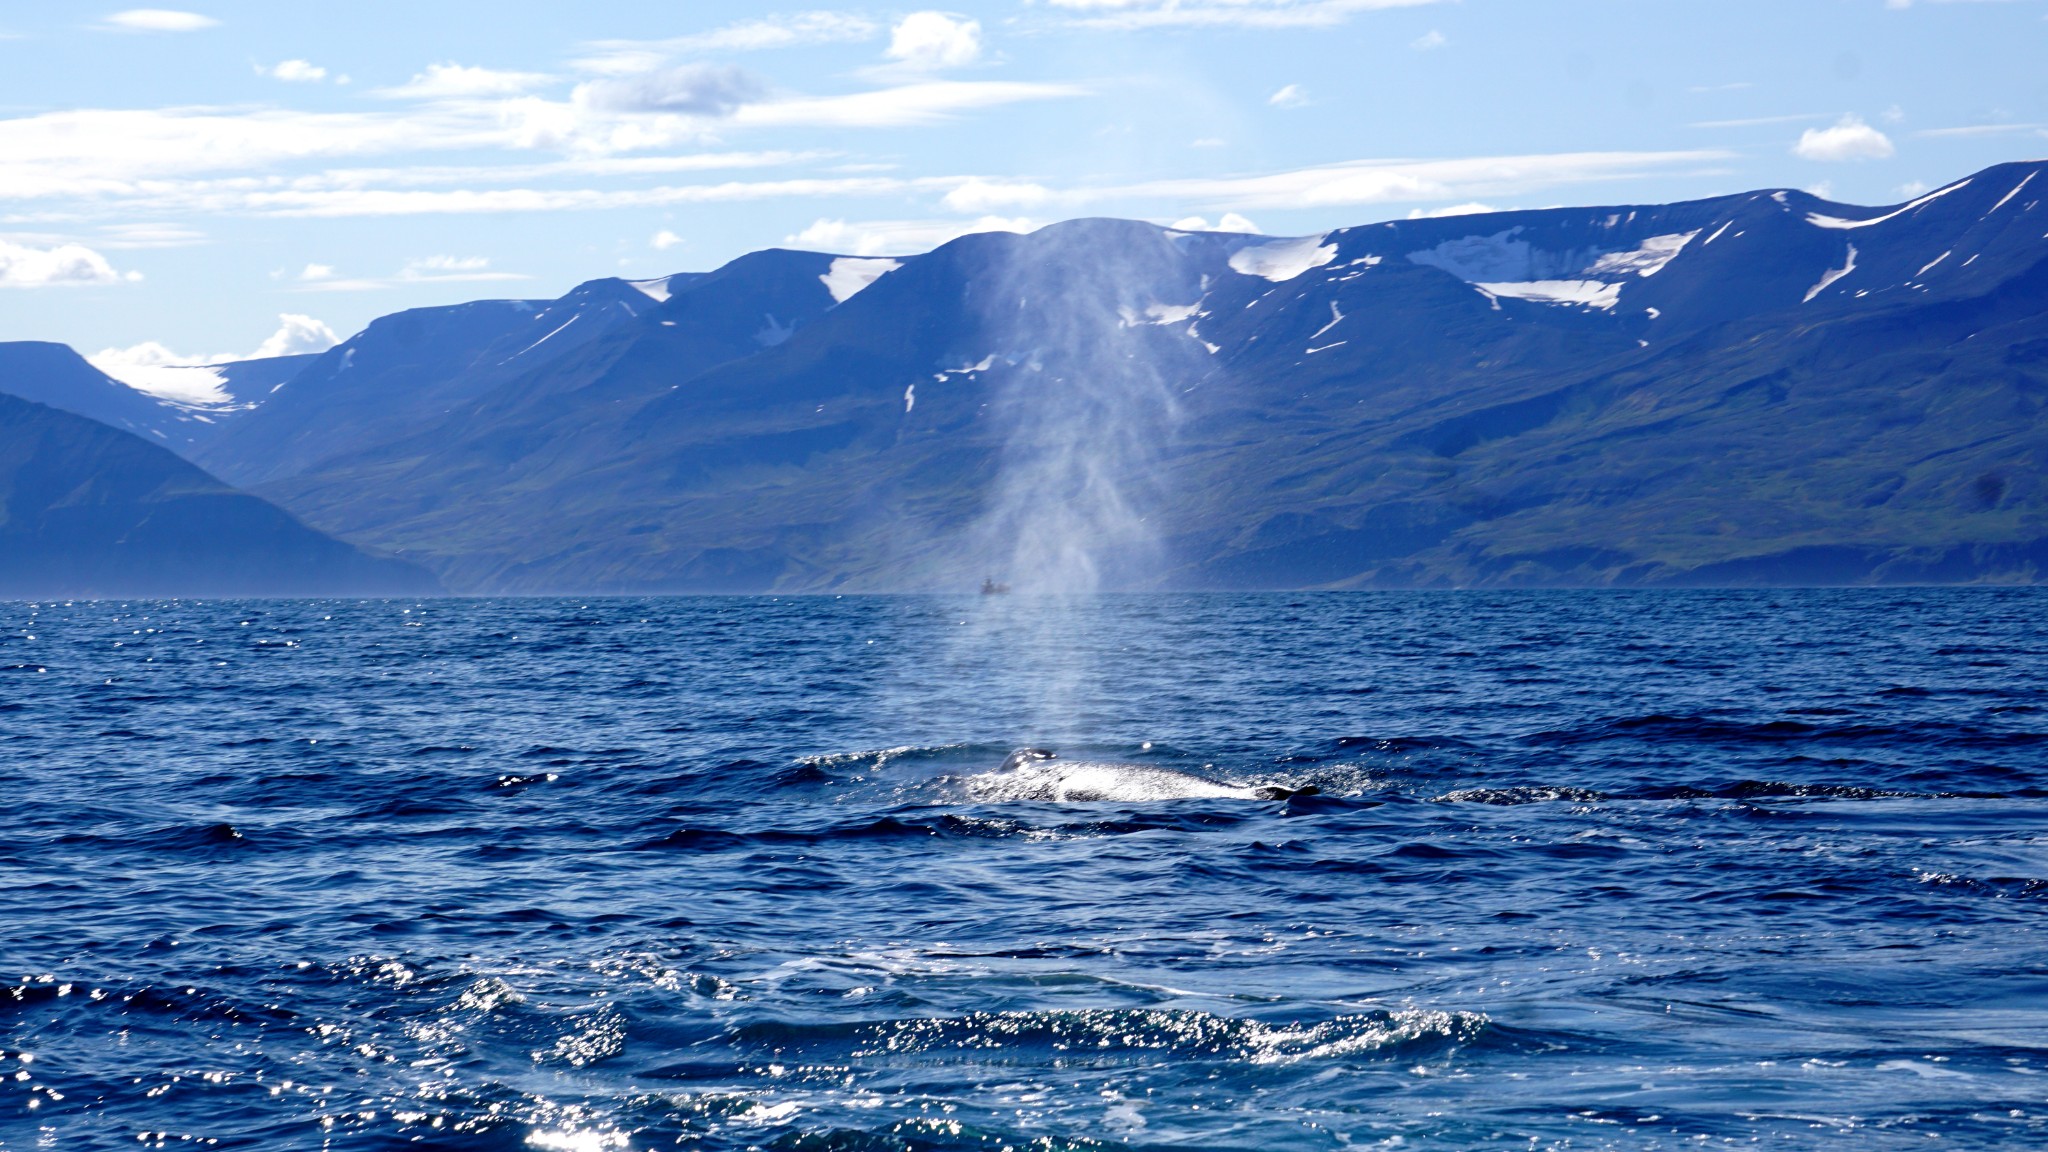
<point x="1587" y="870"/>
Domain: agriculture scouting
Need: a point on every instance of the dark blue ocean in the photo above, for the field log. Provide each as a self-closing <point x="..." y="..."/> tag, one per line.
<point x="1656" y="870"/>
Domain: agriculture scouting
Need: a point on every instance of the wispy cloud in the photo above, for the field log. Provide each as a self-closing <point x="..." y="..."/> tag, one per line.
<point x="423" y="270"/>
<point x="896" y="237"/>
<point x="1429" y="41"/>
<point x="1291" y="96"/>
<point x="690" y="90"/>
<point x="1759" y="121"/>
<point x="1352" y="184"/>
<point x="620" y="57"/>
<point x="1982" y="130"/>
<point x="130" y="236"/>
<point x="1469" y="208"/>
<point x="1366" y="182"/>
<point x="455" y="81"/>
<point x="156" y="20"/>
<point x="107" y="154"/>
<point x="1134" y="15"/>
<point x="468" y="201"/>
<point x="927" y="102"/>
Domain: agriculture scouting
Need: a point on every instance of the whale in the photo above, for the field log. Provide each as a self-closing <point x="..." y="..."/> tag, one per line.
<point x="1040" y="774"/>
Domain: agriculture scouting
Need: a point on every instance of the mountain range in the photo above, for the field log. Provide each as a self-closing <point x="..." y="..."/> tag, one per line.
<point x="1751" y="389"/>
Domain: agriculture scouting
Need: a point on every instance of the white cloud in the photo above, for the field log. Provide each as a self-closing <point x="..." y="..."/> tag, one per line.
<point x="1469" y="208"/>
<point x="1980" y="130"/>
<point x="29" y="266"/>
<point x="296" y="71"/>
<point x="977" y="195"/>
<point x="1128" y="15"/>
<point x="896" y="237"/>
<point x="1231" y="222"/>
<point x="1825" y="190"/>
<point x="1758" y="121"/>
<point x="1849" y="139"/>
<point x="1363" y="182"/>
<point x="296" y="335"/>
<point x="665" y="240"/>
<point x="1429" y="41"/>
<point x="119" y="236"/>
<point x="95" y="152"/>
<point x="420" y="270"/>
<point x="155" y="369"/>
<point x="157" y="20"/>
<point x="903" y="105"/>
<point x="930" y="40"/>
<point x="467" y="201"/>
<point x="1292" y="96"/>
<point x="1338" y="185"/>
<point x="691" y="90"/>
<point x="213" y="160"/>
<point x="453" y="81"/>
<point x="447" y="268"/>
<point x="1912" y="189"/>
<point x="621" y="57"/>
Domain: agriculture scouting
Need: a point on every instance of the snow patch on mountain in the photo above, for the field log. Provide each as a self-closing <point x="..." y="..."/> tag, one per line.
<point x="849" y="275"/>
<point x="1283" y="259"/>
<point x="656" y="289"/>
<point x="1648" y="258"/>
<point x="1832" y="275"/>
<point x="2007" y="198"/>
<point x="1820" y="221"/>
<point x="1583" y="293"/>
<point x="1504" y="258"/>
<point x="1503" y="264"/>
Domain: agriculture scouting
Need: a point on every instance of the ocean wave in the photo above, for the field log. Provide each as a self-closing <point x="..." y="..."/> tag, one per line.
<point x="1113" y="1033"/>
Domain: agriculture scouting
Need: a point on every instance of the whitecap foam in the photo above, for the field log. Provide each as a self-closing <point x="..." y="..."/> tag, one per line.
<point x="1081" y="781"/>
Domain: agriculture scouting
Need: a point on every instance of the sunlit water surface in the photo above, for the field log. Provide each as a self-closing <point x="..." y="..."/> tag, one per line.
<point x="1625" y="870"/>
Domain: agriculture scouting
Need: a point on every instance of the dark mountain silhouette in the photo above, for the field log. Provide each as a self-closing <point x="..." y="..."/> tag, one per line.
<point x="87" y="510"/>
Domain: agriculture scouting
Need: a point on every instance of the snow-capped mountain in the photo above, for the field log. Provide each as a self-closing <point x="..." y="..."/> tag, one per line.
<point x="1760" y="387"/>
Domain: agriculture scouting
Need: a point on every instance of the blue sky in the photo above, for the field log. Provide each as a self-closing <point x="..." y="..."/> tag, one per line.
<point x="179" y="180"/>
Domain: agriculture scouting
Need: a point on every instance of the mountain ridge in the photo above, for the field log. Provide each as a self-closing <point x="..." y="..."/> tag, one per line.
<point x="1755" y="388"/>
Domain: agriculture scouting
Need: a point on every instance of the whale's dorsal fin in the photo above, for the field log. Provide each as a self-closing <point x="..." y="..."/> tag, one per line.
<point x="1276" y="792"/>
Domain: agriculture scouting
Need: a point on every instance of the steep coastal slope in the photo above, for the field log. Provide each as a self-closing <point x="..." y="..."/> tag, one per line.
<point x="87" y="510"/>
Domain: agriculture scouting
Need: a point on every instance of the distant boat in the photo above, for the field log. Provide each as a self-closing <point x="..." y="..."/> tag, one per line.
<point x="990" y="588"/>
